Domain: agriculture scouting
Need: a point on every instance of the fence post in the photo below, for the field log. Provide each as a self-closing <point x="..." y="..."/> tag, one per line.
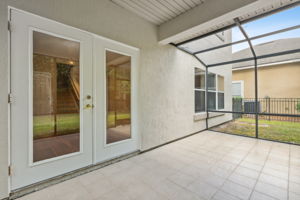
<point x="269" y="106"/>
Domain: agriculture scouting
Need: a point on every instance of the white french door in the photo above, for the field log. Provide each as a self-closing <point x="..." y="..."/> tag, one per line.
<point x="115" y="89"/>
<point x="51" y="85"/>
<point x="73" y="99"/>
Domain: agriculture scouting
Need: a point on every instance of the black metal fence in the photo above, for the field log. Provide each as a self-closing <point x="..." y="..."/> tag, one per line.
<point x="290" y="106"/>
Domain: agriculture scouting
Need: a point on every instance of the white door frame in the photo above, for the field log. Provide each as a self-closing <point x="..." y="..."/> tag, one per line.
<point x="134" y="91"/>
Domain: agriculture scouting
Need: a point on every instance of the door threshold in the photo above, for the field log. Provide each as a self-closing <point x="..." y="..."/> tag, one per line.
<point x="67" y="176"/>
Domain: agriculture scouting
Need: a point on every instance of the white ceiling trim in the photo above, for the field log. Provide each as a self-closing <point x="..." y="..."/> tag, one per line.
<point x="158" y="11"/>
<point x="169" y="34"/>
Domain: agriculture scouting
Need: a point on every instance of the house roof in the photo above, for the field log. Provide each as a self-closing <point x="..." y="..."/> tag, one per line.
<point x="269" y="48"/>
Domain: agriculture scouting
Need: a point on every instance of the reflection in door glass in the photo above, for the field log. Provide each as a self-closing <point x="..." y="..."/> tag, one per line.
<point x="118" y="97"/>
<point x="56" y="95"/>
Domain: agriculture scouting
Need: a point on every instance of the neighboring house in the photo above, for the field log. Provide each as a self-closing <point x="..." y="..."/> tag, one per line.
<point x="278" y="77"/>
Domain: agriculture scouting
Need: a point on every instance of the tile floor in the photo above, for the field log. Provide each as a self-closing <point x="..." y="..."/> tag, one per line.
<point x="207" y="165"/>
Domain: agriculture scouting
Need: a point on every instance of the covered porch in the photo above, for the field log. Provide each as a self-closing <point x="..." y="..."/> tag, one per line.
<point x="150" y="99"/>
<point x="207" y="165"/>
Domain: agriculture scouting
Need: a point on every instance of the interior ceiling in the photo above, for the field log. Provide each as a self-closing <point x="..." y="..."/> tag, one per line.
<point x="158" y="11"/>
<point x="49" y="45"/>
<point x="113" y="58"/>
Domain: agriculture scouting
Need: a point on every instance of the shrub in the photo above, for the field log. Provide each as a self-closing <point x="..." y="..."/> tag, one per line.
<point x="298" y="106"/>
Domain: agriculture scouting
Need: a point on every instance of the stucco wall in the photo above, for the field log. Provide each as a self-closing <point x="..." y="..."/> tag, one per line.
<point x="278" y="81"/>
<point x="166" y="75"/>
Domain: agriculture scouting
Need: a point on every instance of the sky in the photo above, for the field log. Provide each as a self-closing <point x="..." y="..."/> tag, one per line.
<point x="281" y="20"/>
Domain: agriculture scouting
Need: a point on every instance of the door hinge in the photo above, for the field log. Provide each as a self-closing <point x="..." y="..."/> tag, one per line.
<point x="9" y="26"/>
<point x="9" y="99"/>
<point x="9" y="171"/>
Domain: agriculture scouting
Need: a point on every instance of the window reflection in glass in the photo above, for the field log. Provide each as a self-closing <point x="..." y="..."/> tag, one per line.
<point x="118" y="95"/>
<point x="220" y="100"/>
<point x="56" y="121"/>
<point x="220" y="83"/>
<point x="211" y="81"/>
<point x="199" y="101"/>
<point x="211" y="100"/>
<point x="199" y="90"/>
<point x="199" y="79"/>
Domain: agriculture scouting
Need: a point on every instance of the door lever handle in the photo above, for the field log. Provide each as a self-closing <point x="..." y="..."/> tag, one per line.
<point x="88" y="106"/>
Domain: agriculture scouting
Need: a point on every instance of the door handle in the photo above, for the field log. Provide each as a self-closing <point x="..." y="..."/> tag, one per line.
<point x="88" y="106"/>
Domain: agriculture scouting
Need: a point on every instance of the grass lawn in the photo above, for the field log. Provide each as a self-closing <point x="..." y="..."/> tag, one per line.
<point x="273" y="130"/>
<point x="43" y="126"/>
<point x="120" y="116"/>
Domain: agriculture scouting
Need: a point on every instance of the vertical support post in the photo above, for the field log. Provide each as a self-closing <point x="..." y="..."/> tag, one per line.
<point x="256" y="98"/>
<point x="238" y="23"/>
<point x="269" y="107"/>
<point x="206" y="95"/>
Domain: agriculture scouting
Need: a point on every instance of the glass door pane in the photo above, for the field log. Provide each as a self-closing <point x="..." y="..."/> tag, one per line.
<point x="56" y="96"/>
<point x="118" y="97"/>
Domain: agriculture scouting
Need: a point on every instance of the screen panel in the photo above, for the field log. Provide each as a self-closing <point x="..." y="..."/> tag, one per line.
<point x="278" y="128"/>
<point x="238" y="124"/>
<point x="274" y="22"/>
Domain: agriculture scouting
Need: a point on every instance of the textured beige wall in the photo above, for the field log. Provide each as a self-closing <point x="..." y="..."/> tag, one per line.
<point x="278" y="81"/>
<point x="166" y="75"/>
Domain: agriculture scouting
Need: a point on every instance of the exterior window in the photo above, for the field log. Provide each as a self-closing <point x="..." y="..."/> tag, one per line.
<point x="220" y="100"/>
<point x="211" y="100"/>
<point x="221" y="83"/>
<point x="211" y="81"/>
<point x="215" y="95"/>
<point x="220" y="92"/>
<point x="237" y="88"/>
<point x="199" y="90"/>
<point x="211" y="95"/>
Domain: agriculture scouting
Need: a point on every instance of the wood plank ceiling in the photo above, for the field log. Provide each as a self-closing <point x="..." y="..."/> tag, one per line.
<point x="273" y="5"/>
<point x="158" y="11"/>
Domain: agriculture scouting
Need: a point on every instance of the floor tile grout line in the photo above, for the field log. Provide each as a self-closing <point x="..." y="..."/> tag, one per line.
<point x="261" y="172"/>
<point x="265" y="152"/>
<point x="216" y="175"/>
<point x="185" y="188"/>
<point x="227" y="178"/>
<point x="182" y="187"/>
